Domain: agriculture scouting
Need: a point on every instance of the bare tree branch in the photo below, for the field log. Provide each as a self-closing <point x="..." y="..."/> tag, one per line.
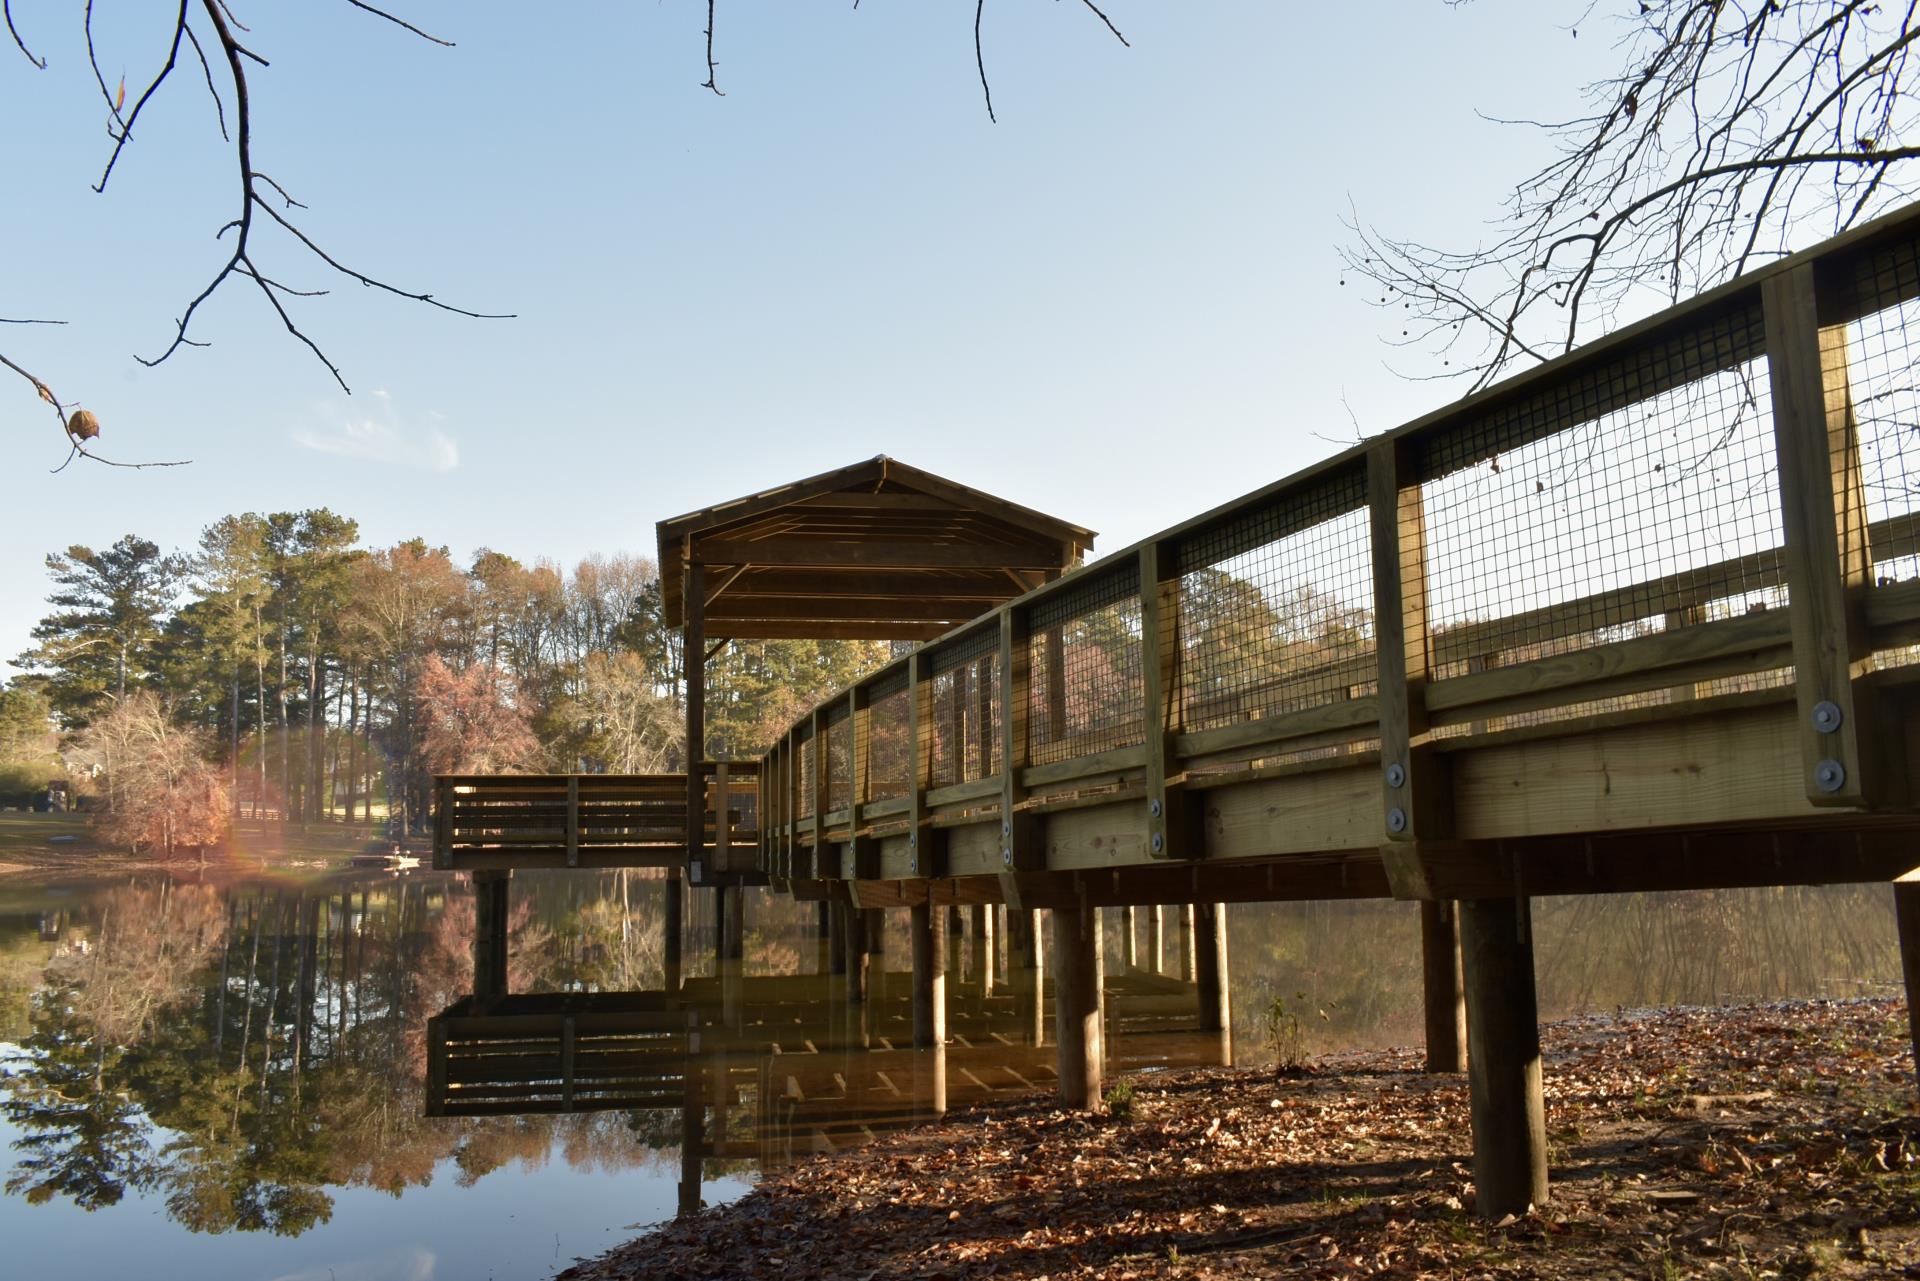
<point x="6" y="8"/>
<point x="1738" y="130"/>
<point x="980" y="59"/>
<point x="398" y="22"/>
<point x="712" y="80"/>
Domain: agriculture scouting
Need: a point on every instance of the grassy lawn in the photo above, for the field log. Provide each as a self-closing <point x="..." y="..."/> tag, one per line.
<point x="33" y="833"/>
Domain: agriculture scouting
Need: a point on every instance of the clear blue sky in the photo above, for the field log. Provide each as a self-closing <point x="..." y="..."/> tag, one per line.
<point x="1120" y="304"/>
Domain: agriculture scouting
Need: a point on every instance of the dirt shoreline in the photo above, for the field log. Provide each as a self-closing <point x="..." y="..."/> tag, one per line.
<point x="1740" y="1142"/>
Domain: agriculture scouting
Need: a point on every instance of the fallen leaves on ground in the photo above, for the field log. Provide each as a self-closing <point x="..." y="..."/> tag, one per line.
<point x="1754" y="1141"/>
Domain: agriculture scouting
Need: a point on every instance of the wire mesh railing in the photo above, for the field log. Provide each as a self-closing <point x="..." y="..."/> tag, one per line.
<point x="1606" y="534"/>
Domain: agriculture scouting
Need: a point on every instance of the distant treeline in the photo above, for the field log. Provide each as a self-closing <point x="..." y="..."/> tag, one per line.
<point x="331" y="680"/>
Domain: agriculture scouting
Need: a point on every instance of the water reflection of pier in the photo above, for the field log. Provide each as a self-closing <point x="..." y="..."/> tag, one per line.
<point x="801" y="1067"/>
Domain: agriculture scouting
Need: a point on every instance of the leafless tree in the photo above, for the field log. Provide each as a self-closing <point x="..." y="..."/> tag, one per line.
<point x="1737" y="131"/>
<point x="261" y="202"/>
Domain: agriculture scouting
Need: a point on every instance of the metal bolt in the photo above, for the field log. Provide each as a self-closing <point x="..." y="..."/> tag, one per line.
<point x="1396" y="819"/>
<point x="1153" y="807"/>
<point x="1159" y="842"/>
<point x="1826" y="716"/>
<point x="1829" y="776"/>
<point x="1006" y="827"/>
<point x="1396" y="775"/>
<point x="913" y="839"/>
<point x="913" y="863"/>
<point x="1006" y="855"/>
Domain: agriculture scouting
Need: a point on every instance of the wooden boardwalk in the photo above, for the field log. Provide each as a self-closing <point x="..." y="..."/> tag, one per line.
<point x="1646" y="617"/>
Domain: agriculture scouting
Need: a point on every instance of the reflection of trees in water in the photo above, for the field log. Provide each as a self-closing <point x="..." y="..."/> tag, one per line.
<point x="1358" y="963"/>
<point x="241" y="1053"/>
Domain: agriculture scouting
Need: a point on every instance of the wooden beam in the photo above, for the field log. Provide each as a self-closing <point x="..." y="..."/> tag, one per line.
<point x="776" y="629"/>
<point x="1076" y="1003"/>
<point x="693" y="649"/>
<point x="1824" y="518"/>
<point x="916" y="608"/>
<point x="841" y="500"/>
<point x="816" y="552"/>
<point x="1172" y="826"/>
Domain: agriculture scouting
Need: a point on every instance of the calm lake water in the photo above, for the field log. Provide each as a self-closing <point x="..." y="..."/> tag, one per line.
<point x="227" y="1076"/>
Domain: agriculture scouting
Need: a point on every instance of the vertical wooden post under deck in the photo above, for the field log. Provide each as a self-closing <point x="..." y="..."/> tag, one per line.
<point x="1130" y="938"/>
<point x="1503" y="1057"/>
<point x="693" y="1121"/>
<point x="876" y="922"/>
<point x="671" y="927"/>
<point x="1156" y="937"/>
<point x="490" y="912"/>
<point x="929" y="929"/>
<point x="1445" y="990"/>
<point x="823" y="936"/>
<point x="1906" y="903"/>
<point x="981" y="962"/>
<point x="837" y="936"/>
<point x="858" y="954"/>
<point x="956" y="942"/>
<point x="1076" y="1005"/>
<point x="1823" y="520"/>
<point x="1183" y="940"/>
<point x="1210" y="974"/>
<point x="733" y="948"/>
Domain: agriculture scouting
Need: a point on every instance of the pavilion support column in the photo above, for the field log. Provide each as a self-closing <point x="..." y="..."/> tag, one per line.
<point x="1503" y="1057"/>
<point x="929" y="929"/>
<point x="693" y="651"/>
<point x="671" y="927"/>
<point x="1906" y="902"/>
<point x="1444" y="986"/>
<point x="1210" y="974"/>
<point x="490" y="906"/>
<point x="1076" y="1005"/>
<point x="982" y="951"/>
<point x="1025" y="974"/>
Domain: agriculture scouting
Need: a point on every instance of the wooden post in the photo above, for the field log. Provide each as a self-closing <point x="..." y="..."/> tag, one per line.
<point x="956" y="942"/>
<point x="1076" y="1005"/>
<point x="490" y="909"/>
<point x="671" y="927"/>
<point x="1130" y="938"/>
<point x="1416" y="790"/>
<point x="1503" y="1057"/>
<point x="1171" y="829"/>
<point x="1906" y="903"/>
<point x="823" y="937"/>
<point x="734" y="973"/>
<point x="693" y="658"/>
<point x="876" y="922"/>
<point x="930" y="1082"/>
<point x="693" y="1120"/>
<point x="1156" y="937"/>
<point x="922" y="836"/>
<point x="1210" y="974"/>
<point x="929" y="928"/>
<point x="1026" y="974"/>
<point x="1184" y="941"/>
<point x="1446" y="997"/>
<point x="1823" y="518"/>
<point x="837" y="936"/>
<point x="981" y="963"/>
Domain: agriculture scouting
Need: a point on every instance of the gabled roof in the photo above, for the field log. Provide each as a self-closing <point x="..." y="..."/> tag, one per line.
<point x="878" y="550"/>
